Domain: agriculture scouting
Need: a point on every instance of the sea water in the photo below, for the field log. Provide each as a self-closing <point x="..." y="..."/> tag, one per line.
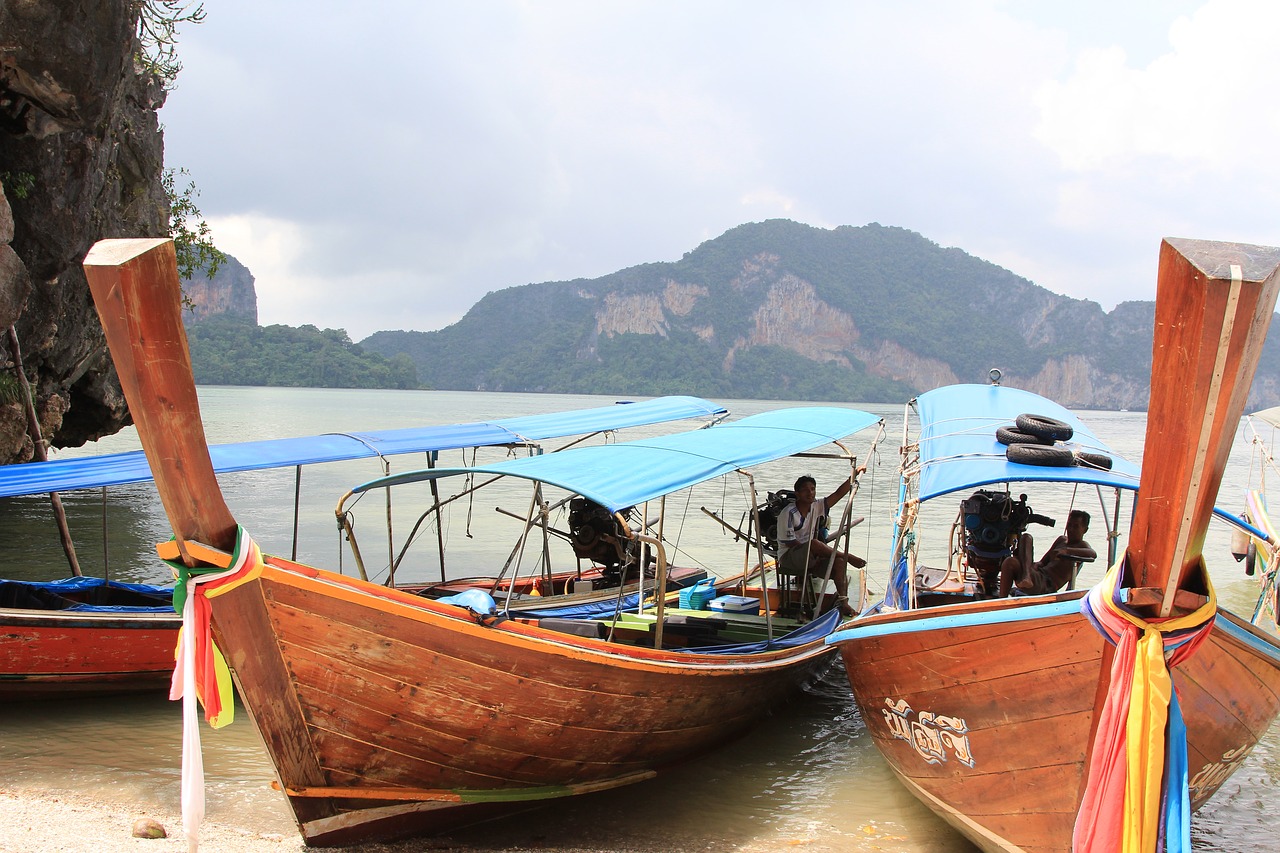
<point x="809" y="777"/>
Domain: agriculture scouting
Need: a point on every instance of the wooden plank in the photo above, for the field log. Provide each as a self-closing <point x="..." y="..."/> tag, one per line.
<point x="243" y="632"/>
<point x="1214" y="303"/>
<point x="139" y="300"/>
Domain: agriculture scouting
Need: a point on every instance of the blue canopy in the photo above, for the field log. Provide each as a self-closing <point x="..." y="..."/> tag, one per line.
<point x="115" y="469"/>
<point x="629" y="473"/>
<point x="958" y="447"/>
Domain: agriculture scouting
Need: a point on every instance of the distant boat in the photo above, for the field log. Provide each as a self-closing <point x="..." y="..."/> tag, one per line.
<point x="387" y="714"/>
<point x="1007" y="717"/>
<point x="1255" y="541"/>
<point x="92" y="636"/>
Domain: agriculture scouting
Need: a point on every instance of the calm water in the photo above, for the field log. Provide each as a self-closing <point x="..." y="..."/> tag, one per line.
<point x="809" y="777"/>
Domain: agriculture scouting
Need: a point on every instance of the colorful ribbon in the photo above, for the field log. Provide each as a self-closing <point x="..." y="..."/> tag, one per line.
<point x="200" y="670"/>
<point x="1137" y="800"/>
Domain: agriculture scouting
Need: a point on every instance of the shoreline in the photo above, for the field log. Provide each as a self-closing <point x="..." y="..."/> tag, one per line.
<point x="45" y="821"/>
<point x="68" y="822"/>
<point x="60" y="821"/>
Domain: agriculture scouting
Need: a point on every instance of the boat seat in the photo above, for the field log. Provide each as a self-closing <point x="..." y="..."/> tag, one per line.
<point x="930" y="579"/>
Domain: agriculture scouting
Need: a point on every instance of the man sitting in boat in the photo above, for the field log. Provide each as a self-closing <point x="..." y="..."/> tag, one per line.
<point x="1058" y="566"/>
<point x="800" y="550"/>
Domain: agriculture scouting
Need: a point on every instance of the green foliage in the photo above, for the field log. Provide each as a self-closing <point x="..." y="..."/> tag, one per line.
<point x="18" y="184"/>
<point x="234" y="352"/>
<point x="157" y="31"/>
<point x="771" y="372"/>
<point x="11" y="390"/>
<point x="190" y="233"/>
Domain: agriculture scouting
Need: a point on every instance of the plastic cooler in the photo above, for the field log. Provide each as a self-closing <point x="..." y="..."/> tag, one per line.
<point x="736" y="604"/>
<point x="697" y="596"/>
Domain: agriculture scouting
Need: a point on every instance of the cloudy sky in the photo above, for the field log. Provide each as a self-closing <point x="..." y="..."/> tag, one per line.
<point x="382" y="165"/>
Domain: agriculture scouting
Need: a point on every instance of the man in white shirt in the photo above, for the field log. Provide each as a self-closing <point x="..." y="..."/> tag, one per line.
<point x="800" y="549"/>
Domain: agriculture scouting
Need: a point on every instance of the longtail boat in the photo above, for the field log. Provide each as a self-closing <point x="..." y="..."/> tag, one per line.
<point x="95" y="636"/>
<point x="1255" y="541"/>
<point x="1044" y="722"/>
<point x="388" y="714"/>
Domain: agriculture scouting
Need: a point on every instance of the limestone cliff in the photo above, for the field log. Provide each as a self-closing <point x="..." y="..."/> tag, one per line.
<point x="786" y="311"/>
<point x="81" y="156"/>
<point x="229" y="293"/>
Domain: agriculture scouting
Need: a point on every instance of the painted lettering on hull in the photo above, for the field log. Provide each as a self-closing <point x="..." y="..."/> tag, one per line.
<point x="1209" y="777"/>
<point x="932" y="736"/>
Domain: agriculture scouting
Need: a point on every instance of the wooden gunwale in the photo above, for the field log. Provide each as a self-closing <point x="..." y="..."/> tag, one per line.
<point x="88" y="620"/>
<point x="391" y="600"/>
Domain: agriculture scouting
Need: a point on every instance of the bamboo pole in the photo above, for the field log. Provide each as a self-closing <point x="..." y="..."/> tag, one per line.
<point x="33" y="429"/>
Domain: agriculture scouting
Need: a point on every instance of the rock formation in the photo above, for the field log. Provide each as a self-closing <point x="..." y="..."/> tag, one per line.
<point x="229" y="293"/>
<point x="783" y="310"/>
<point x="81" y="157"/>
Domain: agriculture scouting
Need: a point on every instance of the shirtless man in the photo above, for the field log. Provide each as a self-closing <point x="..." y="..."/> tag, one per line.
<point x="797" y="539"/>
<point x="1055" y="568"/>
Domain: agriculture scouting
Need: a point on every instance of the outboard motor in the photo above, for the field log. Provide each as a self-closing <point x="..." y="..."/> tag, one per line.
<point x="597" y="536"/>
<point x="769" y="512"/>
<point x="993" y="521"/>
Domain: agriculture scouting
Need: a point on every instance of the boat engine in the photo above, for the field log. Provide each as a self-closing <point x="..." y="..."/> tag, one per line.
<point x="596" y="535"/>
<point x="993" y="521"/>
<point x="769" y="512"/>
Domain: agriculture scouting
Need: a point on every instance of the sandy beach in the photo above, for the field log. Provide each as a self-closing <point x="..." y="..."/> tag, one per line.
<point x="45" y="822"/>
<point x="37" y="821"/>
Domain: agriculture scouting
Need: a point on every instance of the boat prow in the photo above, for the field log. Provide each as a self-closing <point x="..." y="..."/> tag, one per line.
<point x="387" y="714"/>
<point x="1007" y="716"/>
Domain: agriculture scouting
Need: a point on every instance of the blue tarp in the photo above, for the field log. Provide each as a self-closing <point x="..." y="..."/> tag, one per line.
<point x="631" y="472"/>
<point x="53" y="595"/>
<point x="598" y="609"/>
<point x="115" y="469"/>
<point x="958" y="447"/>
<point x="959" y="451"/>
<point x="815" y="630"/>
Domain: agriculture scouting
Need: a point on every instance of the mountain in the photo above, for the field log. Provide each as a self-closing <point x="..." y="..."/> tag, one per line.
<point x="228" y="347"/>
<point x="781" y="310"/>
<point x="228" y="293"/>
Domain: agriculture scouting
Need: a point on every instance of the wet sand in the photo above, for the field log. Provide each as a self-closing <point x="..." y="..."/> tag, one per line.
<point x="38" y="821"/>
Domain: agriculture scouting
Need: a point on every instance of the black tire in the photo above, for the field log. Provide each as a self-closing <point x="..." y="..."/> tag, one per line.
<point x="1009" y="435"/>
<point x="1100" y="461"/>
<point x="1049" y="428"/>
<point x="1040" y="454"/>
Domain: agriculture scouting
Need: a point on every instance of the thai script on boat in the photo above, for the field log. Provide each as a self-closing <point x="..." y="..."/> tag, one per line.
<point x="931" y="735"/>
<point x="1212" y="775"/>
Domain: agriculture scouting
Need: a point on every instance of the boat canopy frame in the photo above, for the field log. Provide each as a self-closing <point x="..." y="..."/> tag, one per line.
<point x="632" y="473"/>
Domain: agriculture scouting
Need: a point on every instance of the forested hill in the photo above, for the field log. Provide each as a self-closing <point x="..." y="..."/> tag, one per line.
<point x="780" y="310"/>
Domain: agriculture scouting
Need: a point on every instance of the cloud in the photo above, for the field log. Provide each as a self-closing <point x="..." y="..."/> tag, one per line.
<point x="401" y="160"/>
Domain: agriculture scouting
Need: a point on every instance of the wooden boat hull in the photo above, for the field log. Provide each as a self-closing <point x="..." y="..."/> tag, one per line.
<point x="48" y="654"/>
<point x="998" y="746"/>
<point x="469" y="719"/>
<point x="83" y="637"/>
